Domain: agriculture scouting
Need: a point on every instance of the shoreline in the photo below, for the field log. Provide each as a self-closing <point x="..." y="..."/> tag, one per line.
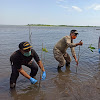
<point x="58" y="25"/>
<point x="45" y="25"/>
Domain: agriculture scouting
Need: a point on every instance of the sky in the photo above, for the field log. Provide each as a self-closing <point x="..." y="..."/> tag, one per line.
<point x="53" y="12"/>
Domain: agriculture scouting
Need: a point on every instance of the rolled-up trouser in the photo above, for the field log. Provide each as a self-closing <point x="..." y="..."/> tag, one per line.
<point x="62" y="58"/>
<point x="15" y="73"/>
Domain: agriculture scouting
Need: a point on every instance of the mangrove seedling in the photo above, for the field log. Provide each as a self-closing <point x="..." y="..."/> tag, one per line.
<point x="43" y="50"/>
<point x="91" y="48"/>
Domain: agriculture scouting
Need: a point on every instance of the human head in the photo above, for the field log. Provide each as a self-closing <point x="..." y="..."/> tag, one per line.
<point x="25" y="48"/>
<point x="24" y="45"/>
<point x="73" y="34"/>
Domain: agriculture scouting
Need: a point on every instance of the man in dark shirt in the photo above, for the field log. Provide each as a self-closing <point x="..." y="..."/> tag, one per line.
<point x="24" y="56"/>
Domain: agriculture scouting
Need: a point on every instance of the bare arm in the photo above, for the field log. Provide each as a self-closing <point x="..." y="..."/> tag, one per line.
<point x="24" y="73"/>
<point x="76" y="60"/>
<point x="41" y="65"/>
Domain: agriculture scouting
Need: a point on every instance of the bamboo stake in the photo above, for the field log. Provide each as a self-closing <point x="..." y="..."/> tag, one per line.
<point x="78" y="57"/>
<point x="41" y="68"/>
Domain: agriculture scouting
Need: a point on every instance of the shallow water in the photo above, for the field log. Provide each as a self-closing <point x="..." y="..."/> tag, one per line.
<point x="65" y="84"/>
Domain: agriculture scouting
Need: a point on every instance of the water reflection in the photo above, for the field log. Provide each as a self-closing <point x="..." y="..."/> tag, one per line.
<point x="59" y="85"/>
<point x="65" y="84"/>
<point x="14" y="94"/>
<point x="29" y="93"/>
<point x="67" y="70"/>
<point x="99" y="63"/>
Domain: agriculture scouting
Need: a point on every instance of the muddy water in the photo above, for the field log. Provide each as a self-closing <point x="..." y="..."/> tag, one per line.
<point x="64" y="84"/>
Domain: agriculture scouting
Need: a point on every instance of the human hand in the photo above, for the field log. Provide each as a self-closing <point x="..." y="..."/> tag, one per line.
<point x="33" y="81"/>
<point x="76" y="62"/>
<point x="81" y="43"/>
<point x="43" y="75"/>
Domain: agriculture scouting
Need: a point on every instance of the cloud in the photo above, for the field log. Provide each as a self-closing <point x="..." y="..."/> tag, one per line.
<point x="60" y="1"/>
<point x="63" y="6"/>
<point x="95" y="7"/>
<point x="69" y="8"/>
<point x="77" y="8"/>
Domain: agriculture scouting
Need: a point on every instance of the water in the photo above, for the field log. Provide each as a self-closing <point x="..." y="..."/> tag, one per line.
<point x="63" y="85"/>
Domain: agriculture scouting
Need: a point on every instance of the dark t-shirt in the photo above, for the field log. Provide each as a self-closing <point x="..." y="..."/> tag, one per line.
<point x="18" y="59"/>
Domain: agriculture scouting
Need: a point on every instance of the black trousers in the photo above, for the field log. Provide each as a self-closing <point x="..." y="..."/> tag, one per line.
<point x="15" y="72"/>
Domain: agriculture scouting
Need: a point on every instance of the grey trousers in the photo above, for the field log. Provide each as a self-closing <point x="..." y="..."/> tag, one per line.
<point x="62" y="58"/>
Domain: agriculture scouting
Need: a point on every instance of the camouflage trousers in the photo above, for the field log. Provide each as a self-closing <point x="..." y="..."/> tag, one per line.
<point x="62" y="58"/>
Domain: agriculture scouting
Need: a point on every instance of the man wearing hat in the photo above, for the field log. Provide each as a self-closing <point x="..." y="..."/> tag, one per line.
<point x="24" y="56"/>
<point x="60" y="48"/>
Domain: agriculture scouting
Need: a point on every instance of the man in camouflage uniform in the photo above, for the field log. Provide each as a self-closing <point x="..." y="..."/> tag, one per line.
<point x="60" y="48"/>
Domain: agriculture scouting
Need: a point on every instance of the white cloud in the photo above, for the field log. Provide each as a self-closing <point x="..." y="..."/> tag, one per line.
<point x="63" y="6"/>
<point x="77" y="8"/>
<point x="69" y="8"/>
<point x="60" y="1"/>
<point x="92" y="6"/>
<point x="95" y="7"/>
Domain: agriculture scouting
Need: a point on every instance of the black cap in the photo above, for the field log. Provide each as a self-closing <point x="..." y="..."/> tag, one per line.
<point x="74" y="31"/>
<point x="24" y="45"/>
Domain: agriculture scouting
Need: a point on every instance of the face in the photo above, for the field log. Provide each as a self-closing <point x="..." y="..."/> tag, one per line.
<point x="27" y="52"/>
<point x="73" y="36"/>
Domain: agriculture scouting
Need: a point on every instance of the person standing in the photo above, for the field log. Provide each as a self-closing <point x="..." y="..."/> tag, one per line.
<point x="24" y="56"/>
<point x="99" y="45"/>
<point x="61" y="46"/>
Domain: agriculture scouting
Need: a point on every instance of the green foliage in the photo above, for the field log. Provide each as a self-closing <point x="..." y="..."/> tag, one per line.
<point x="57" y="25"/>
<point x="91" y="48"/>
<point x="44" y="49"/>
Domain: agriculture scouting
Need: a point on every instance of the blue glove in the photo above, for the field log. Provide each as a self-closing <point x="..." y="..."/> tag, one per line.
<point x="99" y="50"/>
<point x="44" y="75"/>
<point x="33" y="81"/>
